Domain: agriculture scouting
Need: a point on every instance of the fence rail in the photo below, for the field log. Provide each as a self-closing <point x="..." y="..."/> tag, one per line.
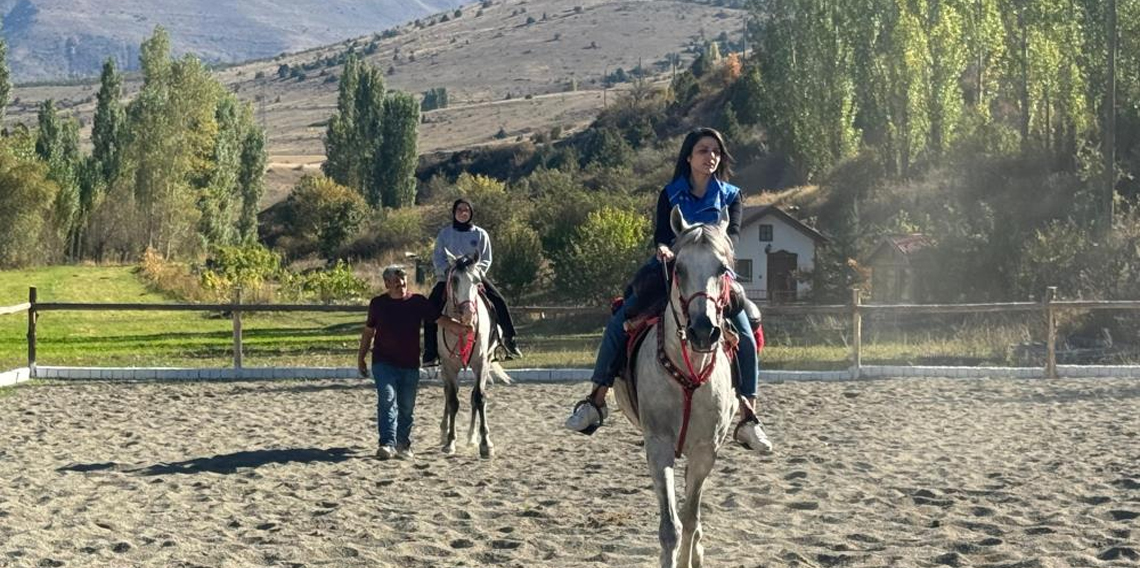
<point x="855" y="310"/>
<point x="18" y="308"/>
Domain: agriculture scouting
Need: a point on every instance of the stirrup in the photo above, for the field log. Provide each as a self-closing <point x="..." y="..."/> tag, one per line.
<point x="589" y="430"/>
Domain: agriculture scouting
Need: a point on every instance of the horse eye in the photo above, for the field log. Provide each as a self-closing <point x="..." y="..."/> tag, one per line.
<point x="723" y="270"/>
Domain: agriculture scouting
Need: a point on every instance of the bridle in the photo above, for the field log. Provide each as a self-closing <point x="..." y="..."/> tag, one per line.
<point x="465" y="343"/>
<point x="691" y="380"/>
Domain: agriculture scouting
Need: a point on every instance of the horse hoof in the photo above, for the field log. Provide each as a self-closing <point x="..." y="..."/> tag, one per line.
<point x="486" y="452"/>
<point x="448" y="449"/>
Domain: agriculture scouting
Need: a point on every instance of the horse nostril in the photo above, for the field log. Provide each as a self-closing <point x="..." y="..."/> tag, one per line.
<point x="715" y="335"/>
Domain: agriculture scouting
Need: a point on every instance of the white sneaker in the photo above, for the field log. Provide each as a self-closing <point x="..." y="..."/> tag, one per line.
<point x="751" y="435"/>
<point x="586" y="417"/>
<point x="405" y="453"/>
<point x="385" y="453"/>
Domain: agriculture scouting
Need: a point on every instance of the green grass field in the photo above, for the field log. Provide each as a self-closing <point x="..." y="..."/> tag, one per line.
<point x="200" y="339"/>
<point x="193" y="339"/>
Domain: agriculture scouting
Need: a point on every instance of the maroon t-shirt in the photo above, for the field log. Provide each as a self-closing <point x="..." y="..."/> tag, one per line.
<point x="397" y="324"/>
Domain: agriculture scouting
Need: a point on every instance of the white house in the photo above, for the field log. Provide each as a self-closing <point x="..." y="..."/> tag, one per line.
<point x="773" y="246"/>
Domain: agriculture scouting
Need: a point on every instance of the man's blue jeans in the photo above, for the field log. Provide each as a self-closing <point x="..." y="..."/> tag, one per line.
<point x="395" y="403"/>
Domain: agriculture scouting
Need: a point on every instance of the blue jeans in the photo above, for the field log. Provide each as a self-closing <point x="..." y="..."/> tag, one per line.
<point x="614" y="339"/>
<point x="395" y="403"/>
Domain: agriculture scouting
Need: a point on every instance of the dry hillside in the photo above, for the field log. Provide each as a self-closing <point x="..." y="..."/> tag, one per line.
<point x="50" y="39"/>
<point x="501" y="72"/>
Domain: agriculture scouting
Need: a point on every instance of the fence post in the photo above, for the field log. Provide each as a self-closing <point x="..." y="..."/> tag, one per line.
<point x="856" y="335"/>
<point x="1050" y="333"/>
<point x="32" y="317"/>
<point x="237" y="327"/>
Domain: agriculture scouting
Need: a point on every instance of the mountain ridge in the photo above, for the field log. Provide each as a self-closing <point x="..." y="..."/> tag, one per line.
<point x="58" y="39"/>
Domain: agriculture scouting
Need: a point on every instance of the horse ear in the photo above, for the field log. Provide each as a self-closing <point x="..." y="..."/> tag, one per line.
<point x="450" y="257"/>
<point x="475" y="257"/>
<point x="722" y="220"/>
<point x="677" y="221"/>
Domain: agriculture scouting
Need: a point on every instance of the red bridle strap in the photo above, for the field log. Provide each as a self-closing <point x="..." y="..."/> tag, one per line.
<point x="465" y="343"/>
<point x="691" y="381"/>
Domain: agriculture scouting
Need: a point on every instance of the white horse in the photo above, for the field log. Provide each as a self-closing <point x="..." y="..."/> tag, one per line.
<point x="685" y="401"/>
<point x="473" y="350"/>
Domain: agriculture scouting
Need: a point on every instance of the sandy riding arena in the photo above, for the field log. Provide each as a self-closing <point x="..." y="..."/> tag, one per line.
<point x="907" y="473"/>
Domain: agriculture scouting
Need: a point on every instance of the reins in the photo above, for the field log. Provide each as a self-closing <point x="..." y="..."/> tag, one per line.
<point x="465" y="343"/>
<point x="692" y="380"/>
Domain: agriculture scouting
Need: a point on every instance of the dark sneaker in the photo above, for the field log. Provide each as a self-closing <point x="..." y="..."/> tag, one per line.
<point x="385" y="453"/>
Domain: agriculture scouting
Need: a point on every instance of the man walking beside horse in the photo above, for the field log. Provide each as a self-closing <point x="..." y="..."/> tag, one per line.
<point x="392" y="332"/>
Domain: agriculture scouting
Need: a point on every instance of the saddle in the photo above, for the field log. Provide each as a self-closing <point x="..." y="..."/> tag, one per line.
<point x="496" y="334"/>
<point x="648" y="310"/>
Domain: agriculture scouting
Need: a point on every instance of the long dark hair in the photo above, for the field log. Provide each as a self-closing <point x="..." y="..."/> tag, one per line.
<point x="684" y="170"/>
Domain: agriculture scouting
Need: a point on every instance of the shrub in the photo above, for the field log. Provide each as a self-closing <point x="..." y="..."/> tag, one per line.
<point x="518" y="259"/>
<point x="605" y="252"/>
<point x="325" y="212"/>
<point x="249" y="267"/>
<point x="173" y="279"/>
<point x="336" y="284"/>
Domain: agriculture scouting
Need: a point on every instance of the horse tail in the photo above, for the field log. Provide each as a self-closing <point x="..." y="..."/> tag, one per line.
<point x="498" y="374"/>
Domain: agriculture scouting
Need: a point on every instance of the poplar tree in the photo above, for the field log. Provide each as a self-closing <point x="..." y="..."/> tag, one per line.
<point x="251" y="183"/>
<point x="5" y="79"/>
<point x="396" y="157"/>
<point x="107" y="130"/>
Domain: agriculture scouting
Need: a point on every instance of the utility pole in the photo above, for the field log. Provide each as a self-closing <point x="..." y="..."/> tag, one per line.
<point x="1110" y="120"/>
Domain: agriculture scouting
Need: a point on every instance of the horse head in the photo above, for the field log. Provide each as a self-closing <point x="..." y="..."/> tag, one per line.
<point x="463" y="279"/>
<point x="702" y="264"/>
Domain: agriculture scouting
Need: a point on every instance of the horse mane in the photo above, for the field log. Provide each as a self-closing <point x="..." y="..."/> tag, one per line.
<point x="710" y="234"/>
<point x="464" y="262"/>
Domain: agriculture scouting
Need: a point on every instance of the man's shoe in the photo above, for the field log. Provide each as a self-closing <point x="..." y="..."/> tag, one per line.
<point x="405" y="453"/>
<point x="385" y="453"/>
<point x="587" y="417"/>
<point x="751" y="435"/>
<point x="512" y="348"/>
<point x="431" y="358"/>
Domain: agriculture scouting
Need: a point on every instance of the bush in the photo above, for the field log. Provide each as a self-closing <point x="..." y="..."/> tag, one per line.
<point x="336" y="284"/>
<point x="325" y="212"/>
<point x="518" y="259"/>
<point x="603" y="256"/>
<point x="173" y="279"/>
<point x="249" y="267"/>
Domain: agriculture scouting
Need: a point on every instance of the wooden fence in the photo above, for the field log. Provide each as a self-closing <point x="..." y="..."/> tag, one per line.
<point x="855" y="310"/>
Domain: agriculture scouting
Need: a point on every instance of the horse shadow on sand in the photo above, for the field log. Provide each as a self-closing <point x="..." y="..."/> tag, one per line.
<point x="228" y="463"/>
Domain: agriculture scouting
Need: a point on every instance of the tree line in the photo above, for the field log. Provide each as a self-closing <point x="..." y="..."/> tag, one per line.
<point x="179" y="169"/>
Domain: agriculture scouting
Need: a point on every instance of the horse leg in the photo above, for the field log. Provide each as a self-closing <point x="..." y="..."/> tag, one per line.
<point x="701" y="462"/>
<point x="659" y="453"/>
<point x="479" y="405"/>
<point x="450" y="409"/>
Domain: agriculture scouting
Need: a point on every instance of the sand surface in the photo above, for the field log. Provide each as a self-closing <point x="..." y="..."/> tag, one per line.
<point x="909" y="473"/>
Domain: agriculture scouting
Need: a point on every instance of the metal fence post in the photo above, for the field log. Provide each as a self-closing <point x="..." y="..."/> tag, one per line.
<point x="856" y="335"/>
<point x="1050" y="333"/>
<point x="33" y="315"/>
<point x="237" y="327"/>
